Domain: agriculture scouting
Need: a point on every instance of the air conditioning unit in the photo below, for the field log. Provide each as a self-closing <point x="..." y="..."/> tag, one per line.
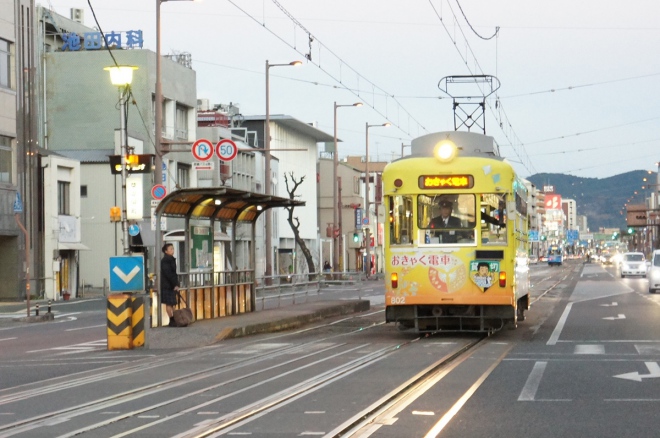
<point x="78" y="15"/>
<point x="203" y="104"/>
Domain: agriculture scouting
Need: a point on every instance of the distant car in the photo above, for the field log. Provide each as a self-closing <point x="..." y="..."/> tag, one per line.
<point x="633" y="263"/>
<point x="654" y="272"/>
<point x="533" y="260"/>
<point x="606" y="259"/>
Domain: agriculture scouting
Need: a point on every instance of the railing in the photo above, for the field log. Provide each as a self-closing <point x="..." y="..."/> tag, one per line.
<point x="279" y="290"/>
<point x="217" y="294"/>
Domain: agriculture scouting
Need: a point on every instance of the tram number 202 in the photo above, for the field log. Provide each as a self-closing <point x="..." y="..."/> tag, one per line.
<point x="398" y="300"/>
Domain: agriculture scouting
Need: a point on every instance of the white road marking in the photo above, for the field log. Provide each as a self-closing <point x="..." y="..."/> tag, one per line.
<point x="614" y="318"/>
<point x="76" y="348"/>
<point x="528" y="392"/>
<point x="589" y="349"/>
<point x="654" y="371"/>
<point x="560" y="325"/>
<point x="429" y="413"/>
<point x="7" y="339"/>
<point x="85" y="328"/>
<point x="614" y="303"/>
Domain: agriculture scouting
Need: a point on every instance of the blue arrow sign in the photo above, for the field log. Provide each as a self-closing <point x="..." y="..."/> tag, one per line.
<point x="18" y="204"/>
<point x="127" y="274"/>
<point x="133" y="230"/>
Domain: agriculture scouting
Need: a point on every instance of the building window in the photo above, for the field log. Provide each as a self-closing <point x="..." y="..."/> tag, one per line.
<point x="183" y="175"/>
<point x="181" y="129"/>
<point x="83" y="191"/>
<point x="5" y="159"/>
<point x="63" y="197"/>
<point x="5" y="64"/>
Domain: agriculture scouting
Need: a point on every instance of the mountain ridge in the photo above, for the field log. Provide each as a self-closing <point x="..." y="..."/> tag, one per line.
<point x="602" y="200"/>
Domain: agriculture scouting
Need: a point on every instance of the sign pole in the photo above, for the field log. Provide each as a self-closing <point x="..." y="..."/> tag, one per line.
<point x="18" y="208"/>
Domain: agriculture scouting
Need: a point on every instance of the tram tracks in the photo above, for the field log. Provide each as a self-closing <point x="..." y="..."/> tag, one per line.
<point x="11" y="397"/>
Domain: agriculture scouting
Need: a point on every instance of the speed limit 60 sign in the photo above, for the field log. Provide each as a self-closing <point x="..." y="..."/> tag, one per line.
<point x="226" y="150"/>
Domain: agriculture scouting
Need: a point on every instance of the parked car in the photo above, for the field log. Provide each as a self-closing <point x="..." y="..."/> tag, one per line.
<point x="633" y="263"/>
<point x="654" y="272"/>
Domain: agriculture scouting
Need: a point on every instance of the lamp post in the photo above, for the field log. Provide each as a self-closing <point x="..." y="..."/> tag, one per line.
<point x="337" y="232"/>
<point x="267" y="177"/>
<point x="122" y="76"/>
<point x="367" y="181"/>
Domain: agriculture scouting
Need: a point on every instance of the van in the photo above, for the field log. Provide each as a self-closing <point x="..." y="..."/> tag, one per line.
<point x="653" y="274"/>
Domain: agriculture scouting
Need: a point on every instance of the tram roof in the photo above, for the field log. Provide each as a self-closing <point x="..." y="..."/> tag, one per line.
<point x="239" y="205"/>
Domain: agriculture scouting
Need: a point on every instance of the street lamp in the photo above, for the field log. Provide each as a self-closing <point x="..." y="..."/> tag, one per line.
<point x="122" y="76"/>
<point x="337" y="232"/>
<point x="267" y="182"/>
<point x="366" y="200"/>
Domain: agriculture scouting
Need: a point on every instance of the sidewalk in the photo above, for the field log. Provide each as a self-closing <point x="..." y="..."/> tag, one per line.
<point x="207" y="332"/>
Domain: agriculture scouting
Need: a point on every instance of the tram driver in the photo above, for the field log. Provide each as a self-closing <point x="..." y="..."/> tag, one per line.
<point x="449" y="222"/>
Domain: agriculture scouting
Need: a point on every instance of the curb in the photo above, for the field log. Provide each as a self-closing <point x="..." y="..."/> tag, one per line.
<point x="292" y="322"/>
<point x="41" y="318"/>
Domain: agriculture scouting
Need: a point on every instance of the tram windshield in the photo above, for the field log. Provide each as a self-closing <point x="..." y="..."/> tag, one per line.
<point x="447" y="218"/>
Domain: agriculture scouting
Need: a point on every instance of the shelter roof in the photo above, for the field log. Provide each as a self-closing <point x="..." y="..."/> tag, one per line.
<point x="239" y="205"/>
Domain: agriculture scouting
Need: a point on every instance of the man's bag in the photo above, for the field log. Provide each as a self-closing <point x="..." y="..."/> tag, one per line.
<point x="183" y="317"/>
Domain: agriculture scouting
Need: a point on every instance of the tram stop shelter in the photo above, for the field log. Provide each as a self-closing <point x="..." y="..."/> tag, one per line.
<point x="210" y="293"/>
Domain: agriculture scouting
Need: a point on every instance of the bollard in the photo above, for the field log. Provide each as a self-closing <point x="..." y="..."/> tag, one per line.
<point x="48" y="306"/>
<point x="119" y="313"/>
<point x="36" y="310"/>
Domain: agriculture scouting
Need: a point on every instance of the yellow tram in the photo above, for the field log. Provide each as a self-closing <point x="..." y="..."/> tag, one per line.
<point x="456" y="242"/>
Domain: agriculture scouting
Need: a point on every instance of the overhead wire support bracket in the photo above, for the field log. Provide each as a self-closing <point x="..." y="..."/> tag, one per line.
<point x="469" y="93"/>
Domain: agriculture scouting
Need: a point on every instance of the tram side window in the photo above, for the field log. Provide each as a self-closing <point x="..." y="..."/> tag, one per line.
<point x="401" y="222"/>
<point x="493" y="219"/>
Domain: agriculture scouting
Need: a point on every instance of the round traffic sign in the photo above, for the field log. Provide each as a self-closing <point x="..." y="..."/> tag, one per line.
<point x="158" y="192"/>
<point x="202" y="149"/>
<point x="365" y="221"/>
<point x="133" y="230"/>
<point x="226" y="150"/>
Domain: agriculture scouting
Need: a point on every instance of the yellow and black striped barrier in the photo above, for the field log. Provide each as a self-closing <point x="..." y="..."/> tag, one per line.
<point x="137" y="321"/>
<point x="125" y="316"/>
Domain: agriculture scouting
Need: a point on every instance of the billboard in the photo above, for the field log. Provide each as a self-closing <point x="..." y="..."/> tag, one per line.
<point x="552" y="202"/>
<point x="636" y="215"/>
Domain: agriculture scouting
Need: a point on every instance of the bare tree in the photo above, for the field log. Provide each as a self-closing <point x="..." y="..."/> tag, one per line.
<point x="294" y="223"/>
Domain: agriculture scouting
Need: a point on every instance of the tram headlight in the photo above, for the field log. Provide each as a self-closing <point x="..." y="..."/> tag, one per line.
<point x="445" y="151"/>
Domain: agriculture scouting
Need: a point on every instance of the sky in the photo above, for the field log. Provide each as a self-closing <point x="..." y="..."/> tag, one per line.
<point x="579" y="81"/>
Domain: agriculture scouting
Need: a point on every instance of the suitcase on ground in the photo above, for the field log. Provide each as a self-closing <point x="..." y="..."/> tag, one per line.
<point x="183" y="317"/>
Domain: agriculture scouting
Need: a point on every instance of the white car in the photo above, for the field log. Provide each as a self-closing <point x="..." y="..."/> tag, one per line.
<point x="633" y="263"/>
<point x="654" y="272"/>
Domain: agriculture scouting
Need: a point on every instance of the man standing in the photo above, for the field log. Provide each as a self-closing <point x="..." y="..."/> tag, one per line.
<point x="169" y="281"/>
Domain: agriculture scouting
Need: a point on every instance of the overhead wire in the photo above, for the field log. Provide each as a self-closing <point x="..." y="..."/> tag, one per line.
<point x="525" y="161"/>
<point x="342" y="63"/>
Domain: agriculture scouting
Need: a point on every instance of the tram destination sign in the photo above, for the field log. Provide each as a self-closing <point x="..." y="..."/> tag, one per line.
<point x="446" y="181"/>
